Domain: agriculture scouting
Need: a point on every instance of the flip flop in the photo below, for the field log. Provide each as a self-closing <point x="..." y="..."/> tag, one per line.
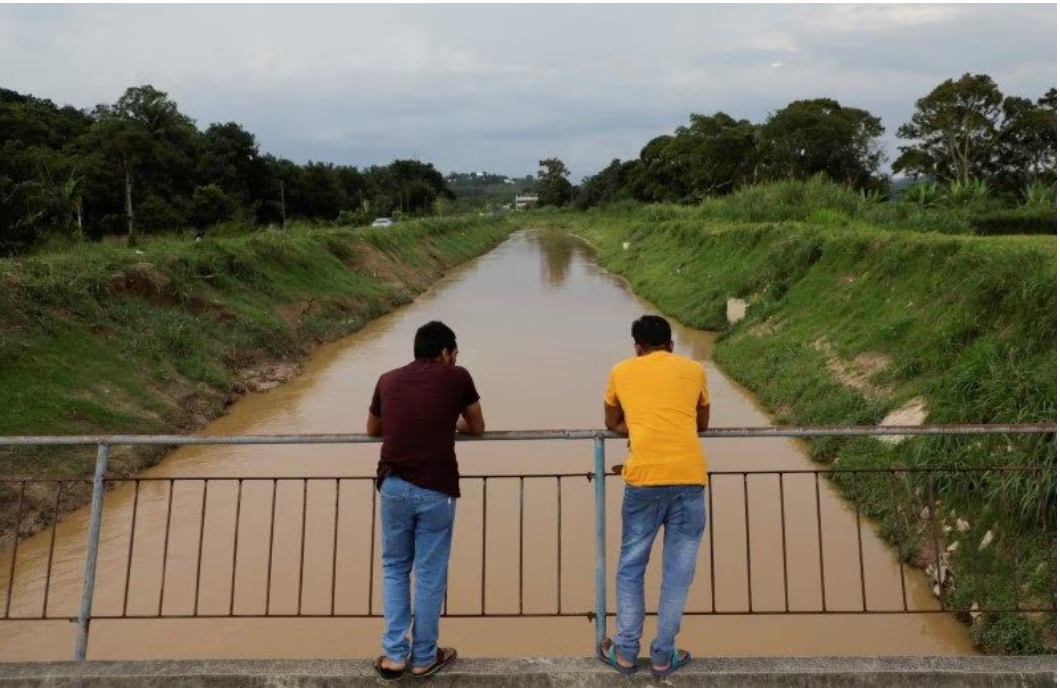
<point x="445" y="657"/>
<point x="609" y="658"/>
<point x="385" y="673"/>
<point x="679" y="659"/>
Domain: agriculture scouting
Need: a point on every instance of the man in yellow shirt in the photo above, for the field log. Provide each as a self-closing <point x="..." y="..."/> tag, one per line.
<point x="661" y="402"/>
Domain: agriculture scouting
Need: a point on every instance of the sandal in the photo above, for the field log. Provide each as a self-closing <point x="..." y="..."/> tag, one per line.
<point x="608" y="657"/>
<point x="385" y="673"/>
<point x="445" y="656"/>
<point x="678" y="660"/>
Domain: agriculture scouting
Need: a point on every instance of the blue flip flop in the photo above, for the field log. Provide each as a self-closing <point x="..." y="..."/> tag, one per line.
<point x="676" y="662"/>
<point x="609" y="658"/>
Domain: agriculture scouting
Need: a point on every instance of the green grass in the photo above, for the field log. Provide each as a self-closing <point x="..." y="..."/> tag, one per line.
<point x="966" y="324"/>
<point x="104" y="339"/>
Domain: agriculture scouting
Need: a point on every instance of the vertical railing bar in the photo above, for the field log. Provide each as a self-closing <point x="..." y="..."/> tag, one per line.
<point x="482" y="589"/>
<point x="301" y="553"/>
<point x="371" y="561"/>
<point x="165" y="547"/>
<point x="522" y="497"/>
<point x="747" y="544"/>
<point x="784" y="541"/>
<point x="335" y="548"/>
<point x="51" y="550"/>
<point x="820" y="538"/>
<point x="601" y="539"/>
<point x="861" y="555"/>
<point x="14" y="550"/>
<point x="235" y="549"/>
<point x="132" y="541"/>
<point x="710" y="518"/>
<point x="95" y="525"/>
<point x="559" y="545"/>
<point x="898" y="534"/>
<point x="272" y="546"/>
<point x="202" y="538"/>
<point x="935" y="538"/>
<point x="1048" y="546"/>
<point x="1009" y="543"/>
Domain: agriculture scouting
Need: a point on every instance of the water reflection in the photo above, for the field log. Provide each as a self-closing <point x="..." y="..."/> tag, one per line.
<point x="558" y="250"/>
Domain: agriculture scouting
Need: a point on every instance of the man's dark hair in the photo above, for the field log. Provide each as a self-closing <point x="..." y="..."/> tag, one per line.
<point x="651" y="330"/>
<point x="432" y="338"/>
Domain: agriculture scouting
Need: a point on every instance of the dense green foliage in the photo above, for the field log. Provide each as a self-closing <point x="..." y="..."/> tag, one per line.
<point x="963" y="132"/>
<point x="139" y="165"/>
<point x="968" y="130"/>
<point x="1017" y="221"/>
<point x="964" y="325"/>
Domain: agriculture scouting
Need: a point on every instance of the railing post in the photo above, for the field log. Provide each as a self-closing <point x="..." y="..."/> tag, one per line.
<point x="84" y="617"/>
<point x="601" y="542"/>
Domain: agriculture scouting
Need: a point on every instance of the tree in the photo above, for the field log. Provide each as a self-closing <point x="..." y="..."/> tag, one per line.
<point x="955" y="131"/>
<point x="660" y="174"/>
<point x="1027" y="143"/>
<point x="713" y="154"/>
<point x="405" y="186"/>
<point x="40" y="177"/>
<point x="228" y="158"/>
<point x="148" y="142"/>
<point x="209" y="206"/>
<point x="611" y="184"/>
<point x="820" y="136"/>
<point x="553" y="187"/>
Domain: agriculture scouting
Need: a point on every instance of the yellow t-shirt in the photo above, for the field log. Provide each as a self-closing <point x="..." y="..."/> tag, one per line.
<point x="659" y="393"/>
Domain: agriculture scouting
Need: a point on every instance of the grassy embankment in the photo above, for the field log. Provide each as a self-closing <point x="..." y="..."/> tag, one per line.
<point x="107" y="340"/>
<point x="849" y="320"/>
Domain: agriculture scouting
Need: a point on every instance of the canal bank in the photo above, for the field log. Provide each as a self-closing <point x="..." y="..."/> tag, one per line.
<point x="846" y="324"/>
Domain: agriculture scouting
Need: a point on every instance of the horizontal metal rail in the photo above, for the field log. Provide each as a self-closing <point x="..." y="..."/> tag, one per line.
<point x="355" y="438"/>
<point x="155" y="543"/>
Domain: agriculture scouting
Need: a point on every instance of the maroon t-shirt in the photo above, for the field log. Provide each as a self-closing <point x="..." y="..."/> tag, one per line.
<point x="419" y="404"/>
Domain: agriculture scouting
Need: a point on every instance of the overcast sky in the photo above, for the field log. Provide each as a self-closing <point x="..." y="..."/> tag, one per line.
<point x="498" y="87"/>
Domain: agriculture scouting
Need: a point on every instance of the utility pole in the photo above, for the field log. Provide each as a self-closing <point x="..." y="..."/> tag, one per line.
<point x="283" y="208"/>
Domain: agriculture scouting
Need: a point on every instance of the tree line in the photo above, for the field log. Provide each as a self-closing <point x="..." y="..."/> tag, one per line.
<point x="141" y="165"/>
<point x="964" y="132"/>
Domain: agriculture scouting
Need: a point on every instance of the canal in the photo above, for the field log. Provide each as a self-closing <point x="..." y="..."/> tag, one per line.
<point x="539" y="325"/>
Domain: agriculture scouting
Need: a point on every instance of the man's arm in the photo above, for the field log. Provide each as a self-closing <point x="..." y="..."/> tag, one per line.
<point x="374" y="426"/>
<point x="470" y="421"/>
<point x="702" y="417"/>
<point x="615" y="419"/>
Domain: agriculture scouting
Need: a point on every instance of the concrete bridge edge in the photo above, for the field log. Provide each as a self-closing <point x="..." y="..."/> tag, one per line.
<point x="778" y="672"/>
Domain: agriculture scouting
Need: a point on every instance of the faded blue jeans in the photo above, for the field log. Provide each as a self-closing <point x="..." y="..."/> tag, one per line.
<point x="681" y="511"/>
<point x="417" y="535"/>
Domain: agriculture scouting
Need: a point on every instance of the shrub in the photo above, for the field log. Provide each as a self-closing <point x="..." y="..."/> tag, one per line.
<point x="1023" y="220"/>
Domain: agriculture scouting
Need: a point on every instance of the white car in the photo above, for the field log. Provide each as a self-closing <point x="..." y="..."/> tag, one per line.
<point x="382" y="222"/>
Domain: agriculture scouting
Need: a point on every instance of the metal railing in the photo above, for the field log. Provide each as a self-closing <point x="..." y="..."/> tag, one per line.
<point x="324" y="505"/>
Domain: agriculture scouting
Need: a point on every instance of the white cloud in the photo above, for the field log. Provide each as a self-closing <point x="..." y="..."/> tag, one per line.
<point x="498" y="87"/>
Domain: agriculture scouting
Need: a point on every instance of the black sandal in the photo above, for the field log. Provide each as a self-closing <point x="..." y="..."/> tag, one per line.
<point x="385" y="673"/>
<point x="445" y="656"/>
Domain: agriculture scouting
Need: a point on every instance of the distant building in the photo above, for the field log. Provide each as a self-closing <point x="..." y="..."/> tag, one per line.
<point x="523" y="201"/>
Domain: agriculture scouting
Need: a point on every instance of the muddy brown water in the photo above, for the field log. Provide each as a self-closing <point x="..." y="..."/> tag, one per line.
<point x="539" y="325"/>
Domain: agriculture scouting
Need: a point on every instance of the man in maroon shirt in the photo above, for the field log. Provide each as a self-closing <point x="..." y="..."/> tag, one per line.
<point x="415" y="409"/>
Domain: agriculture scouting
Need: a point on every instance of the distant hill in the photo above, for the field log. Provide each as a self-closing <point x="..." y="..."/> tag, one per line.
<point x="486" y="189"/>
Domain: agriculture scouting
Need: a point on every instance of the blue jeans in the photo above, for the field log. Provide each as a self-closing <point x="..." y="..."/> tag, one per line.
<point x="417" y="534"/>
<point x="681" y="511"/>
